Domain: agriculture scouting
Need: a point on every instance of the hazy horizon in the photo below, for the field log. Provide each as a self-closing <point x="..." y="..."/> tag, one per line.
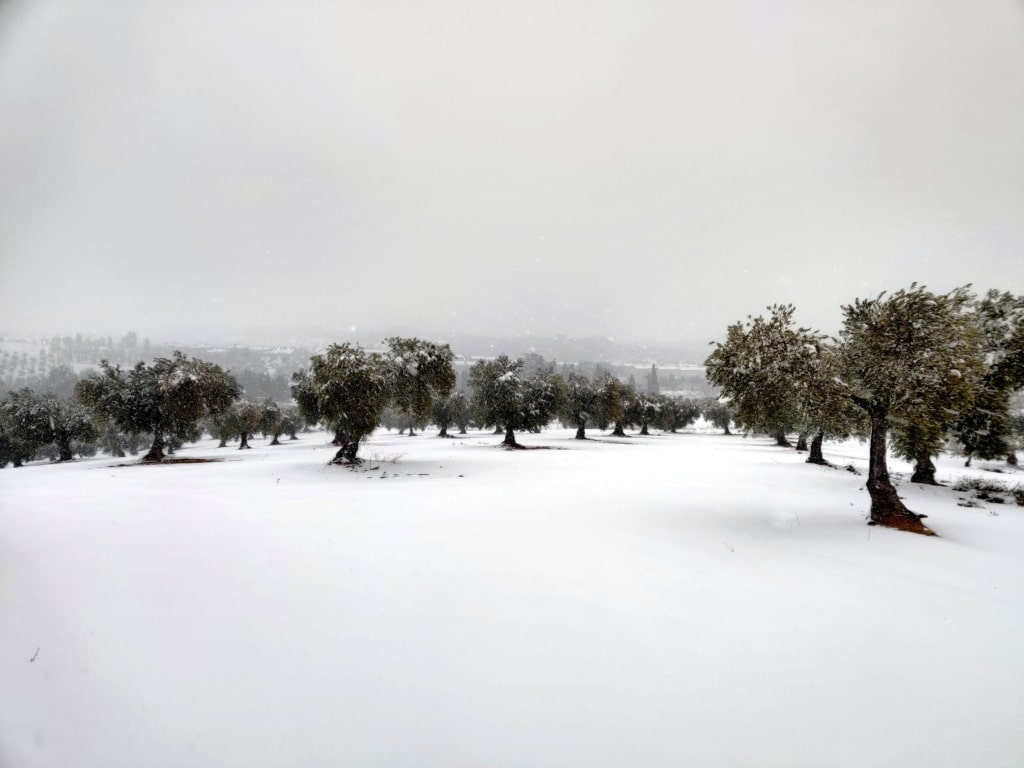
<point x="650" y="171"/>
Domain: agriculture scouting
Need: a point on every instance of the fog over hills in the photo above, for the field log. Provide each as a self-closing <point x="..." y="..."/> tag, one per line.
<point x="647" y="171"/>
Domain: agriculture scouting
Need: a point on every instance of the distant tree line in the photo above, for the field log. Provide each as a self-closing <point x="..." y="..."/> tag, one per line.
<point x="350" y="391"/>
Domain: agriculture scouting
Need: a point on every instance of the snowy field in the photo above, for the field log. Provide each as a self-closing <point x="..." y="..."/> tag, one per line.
<point x="678" y="600"/>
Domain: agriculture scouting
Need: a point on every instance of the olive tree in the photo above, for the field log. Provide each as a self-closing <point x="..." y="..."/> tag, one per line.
<point x="506" y="400"/>
<point x="347" y="388"/>
<point x="910" y="358"/>
<point x="756" y="368"/>
<point x="581" y="403"/>
<point x="166" y="398"/>
<point x="420" y="372"/>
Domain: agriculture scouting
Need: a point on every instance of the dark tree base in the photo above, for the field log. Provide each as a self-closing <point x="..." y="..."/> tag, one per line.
<point x="346" y="460"/>
<point x="911" y="524"/>
<point x="924" y="476"/>
<point x="924" y="471"/>
<point x="887" y="510"/>
<point x="816" y="456"/>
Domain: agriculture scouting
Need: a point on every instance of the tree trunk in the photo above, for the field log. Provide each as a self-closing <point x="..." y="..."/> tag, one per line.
<point x="245" y="441"/>
<point x="727" y="432"/>
<point x="781" y="440"/>
<point x="64" y="449"/>
<point x="816" y="456"/>
<point x="444" y="431"/>
<point x="924" y="471"/>
<point x="886" y="507"/>
<point x="497" y="430"/>
<point x="156" y="451"/>
<point x="1011" y="459"/>
<point x="339" y="439"/>
<point x="292" y="437"/>
<point x="968" y="462"/>
<point x="581" y="430"/>
<point x="462" y="429"/>
<point x="510" y="439"/>
<point x="347" y="452"/>
<point x="618" y="431"/>
<point x="223" y="443"/>
<point x="801" y="442"/>
<point x="275" y="441"/>
<point x="643" y="429"/>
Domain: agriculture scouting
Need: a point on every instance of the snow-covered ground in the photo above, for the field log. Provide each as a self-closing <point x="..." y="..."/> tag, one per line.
<point x="678" y="600"/>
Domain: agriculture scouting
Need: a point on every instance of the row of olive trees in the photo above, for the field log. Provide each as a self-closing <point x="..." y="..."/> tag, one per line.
<point x="33" y="425"/>
<point x="914" y="366"/>
<point x="352" y="391"/>
<point x="349" y="390"/>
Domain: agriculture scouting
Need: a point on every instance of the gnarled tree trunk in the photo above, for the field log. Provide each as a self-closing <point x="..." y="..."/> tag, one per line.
<point x="245" y="441"/>
<point x="349" y="447"/>
<point x="64" y="450"/>
<point x="156" y="451"/>
<point x="781" y="440"/>
<point x="886" y="507"/>
<point x="618" y="431"/>
<point x="924" y="471"/>
<point x="581" y="429"/>
<point x="816" y="456"/>
<point x="510" y="439"/>
<point x="801" y="442"/>
<point x="643" y="429"/>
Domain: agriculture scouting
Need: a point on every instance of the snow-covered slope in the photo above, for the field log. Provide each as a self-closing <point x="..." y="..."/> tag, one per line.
<point x="679" y="600"/>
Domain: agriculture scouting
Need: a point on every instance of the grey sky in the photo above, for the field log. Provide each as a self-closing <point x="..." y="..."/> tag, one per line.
<point x="646" y="170"/>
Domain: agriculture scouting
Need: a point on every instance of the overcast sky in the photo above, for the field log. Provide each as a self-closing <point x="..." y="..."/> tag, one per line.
<point x="644" y="170"/>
